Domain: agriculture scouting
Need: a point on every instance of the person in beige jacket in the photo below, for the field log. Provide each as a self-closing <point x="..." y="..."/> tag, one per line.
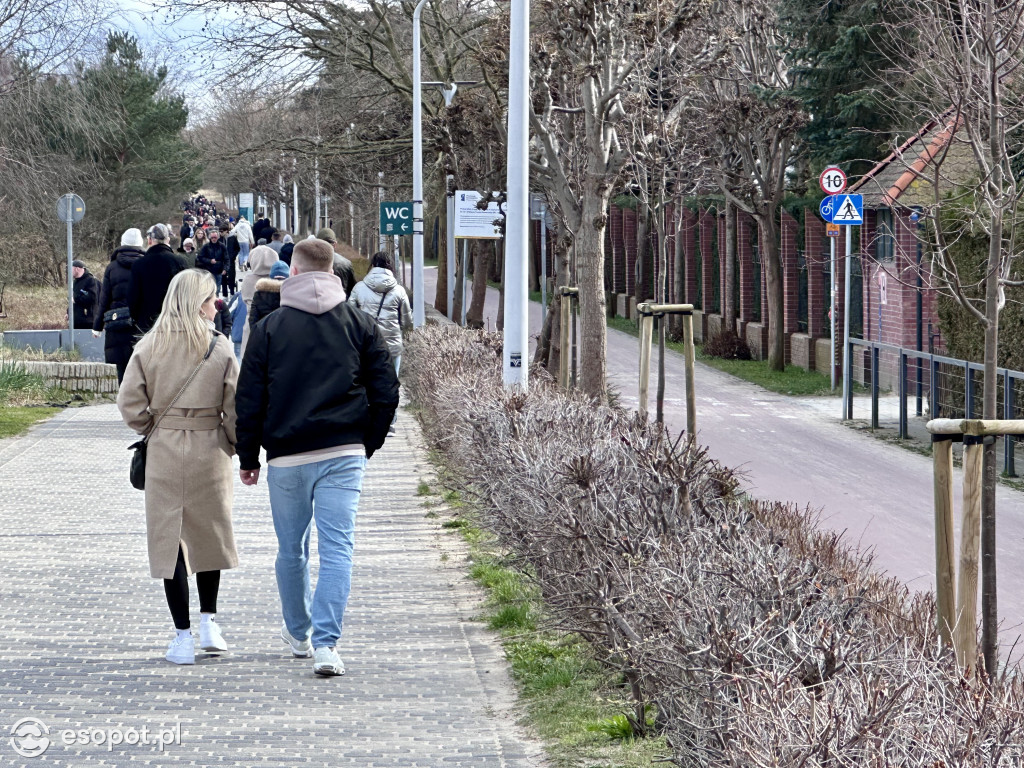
<point x="189" y="484"/>
<point x="262" y="258"/>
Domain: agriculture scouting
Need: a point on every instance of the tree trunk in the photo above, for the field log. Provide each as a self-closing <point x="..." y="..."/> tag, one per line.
<point x="643" y="226"/>
<point x="481" y="266"/>
<point x="593" y="314"/>
<point x="989" y="612"/>
<point x="729" y="270"/>
<point x="441" y="295"/>
<point x="548" y="349"/>
<point x="770" y="251"/>
<point x="679" y="271"/>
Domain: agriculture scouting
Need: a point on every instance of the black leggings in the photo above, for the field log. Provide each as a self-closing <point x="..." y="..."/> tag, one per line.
<point x="176" y="590"/>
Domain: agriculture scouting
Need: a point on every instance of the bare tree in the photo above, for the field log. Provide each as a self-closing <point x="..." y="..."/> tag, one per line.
<point x="964" y="81"/>
<point x="753" y="119"/>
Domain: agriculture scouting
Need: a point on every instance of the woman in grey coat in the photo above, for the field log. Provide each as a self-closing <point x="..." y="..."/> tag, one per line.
<point x="380" y="296"/>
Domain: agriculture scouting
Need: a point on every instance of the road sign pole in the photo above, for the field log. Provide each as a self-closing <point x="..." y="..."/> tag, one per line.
<point x="418" y="308"/>
<point x="833" y="286"/>
<point x="516" y="334"/>
<point x="846" y="327"/>
<point x="449" y="245"/>
<point x="544" y="256"/>
<point x="69" y="343"/>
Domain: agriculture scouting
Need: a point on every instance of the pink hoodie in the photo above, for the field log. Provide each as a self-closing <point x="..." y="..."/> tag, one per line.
<point x="313" y="292"/>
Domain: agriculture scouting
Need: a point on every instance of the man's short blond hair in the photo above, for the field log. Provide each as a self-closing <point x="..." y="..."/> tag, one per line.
<point x="313" y="256"/>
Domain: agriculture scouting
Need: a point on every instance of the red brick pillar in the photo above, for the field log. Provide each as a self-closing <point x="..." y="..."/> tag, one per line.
<point x="790" y="285"/>
<point x="689" y="235"/>
<point x="720" y="233"/>
<point x="744" y="253"/>
<point x="816" y="255"/>
<point x="706" y="222"/>
<point x="629" y="241"/>
<point x="669" y="217"/>
<point x="618" y="255"/>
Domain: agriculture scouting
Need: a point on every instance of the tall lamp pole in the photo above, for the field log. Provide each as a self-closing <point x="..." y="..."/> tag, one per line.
<point x="418" y="313"/>
<point x="516" y="337"/>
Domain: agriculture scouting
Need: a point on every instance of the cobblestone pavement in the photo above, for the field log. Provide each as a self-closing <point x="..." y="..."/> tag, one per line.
<point x="85" y="628"/>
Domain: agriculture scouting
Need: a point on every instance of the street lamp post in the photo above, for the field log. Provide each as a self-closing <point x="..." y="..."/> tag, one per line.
<point x="517" y="241"/>
<point x="418" y="311"/>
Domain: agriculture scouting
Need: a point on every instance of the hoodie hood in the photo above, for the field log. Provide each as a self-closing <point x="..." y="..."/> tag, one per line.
<point x="313" y="292"/>
<point x="262" y="259"/>
<point x="380" y="280"/>
<point x="126" y="255"/>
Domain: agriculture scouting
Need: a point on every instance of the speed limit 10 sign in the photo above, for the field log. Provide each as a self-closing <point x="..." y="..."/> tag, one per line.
<point x="832" y="180"/>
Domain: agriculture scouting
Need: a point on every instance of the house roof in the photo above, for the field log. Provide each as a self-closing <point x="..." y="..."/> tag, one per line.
<point x="884" y="184"/>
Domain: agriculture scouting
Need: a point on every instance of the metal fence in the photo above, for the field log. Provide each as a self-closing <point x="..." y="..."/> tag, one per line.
<point x="952" y="388"/>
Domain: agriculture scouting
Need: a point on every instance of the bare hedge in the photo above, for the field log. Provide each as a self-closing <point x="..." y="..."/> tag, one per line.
<point x="758" y="639"/>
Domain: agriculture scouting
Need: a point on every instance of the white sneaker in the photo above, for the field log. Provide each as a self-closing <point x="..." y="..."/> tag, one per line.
<point x="182" y="650"/>
<point x="210" y="638"/>
<point x="301" y="649"/>
<point x="327" y="663"/>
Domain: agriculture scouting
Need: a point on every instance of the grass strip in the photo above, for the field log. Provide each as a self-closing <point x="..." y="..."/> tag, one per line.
<point x="573" y="702"/>
<point x="793" y="381"/>
<point x="14" y="420"/>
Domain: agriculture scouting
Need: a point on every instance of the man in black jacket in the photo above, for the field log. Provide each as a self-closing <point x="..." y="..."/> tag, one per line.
<point x="151" y="276"/>
<point x="213" y="257"/>
<point x="318" y="391"/>
<point x="86" y="290"/>
<point x="342" y="266"/>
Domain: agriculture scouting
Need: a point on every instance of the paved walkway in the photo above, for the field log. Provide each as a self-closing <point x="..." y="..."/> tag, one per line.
<point x="796" y="450"/>
<point x="85" y="628"/>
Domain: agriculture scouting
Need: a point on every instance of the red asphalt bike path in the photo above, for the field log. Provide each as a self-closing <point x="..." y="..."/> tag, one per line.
<point x="795" y="449"/>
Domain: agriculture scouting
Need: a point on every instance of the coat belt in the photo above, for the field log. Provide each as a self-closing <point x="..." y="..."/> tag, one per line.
<point x="193" y="423"/>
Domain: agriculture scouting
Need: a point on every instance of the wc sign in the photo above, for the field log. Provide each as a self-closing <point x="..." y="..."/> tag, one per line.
<point x="396" y="218"/>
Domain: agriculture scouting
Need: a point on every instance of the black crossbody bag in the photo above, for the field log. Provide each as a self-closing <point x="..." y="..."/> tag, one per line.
<point x="137" y="471"/>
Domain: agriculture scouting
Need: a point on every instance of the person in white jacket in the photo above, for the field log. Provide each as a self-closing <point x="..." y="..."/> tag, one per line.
<point x="243" y="232"/>
<point x="381" y="297"/>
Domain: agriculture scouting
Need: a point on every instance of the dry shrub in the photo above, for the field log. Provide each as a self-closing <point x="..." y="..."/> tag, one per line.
<point x="729" y="346"/>
<point x="760" y="640"/>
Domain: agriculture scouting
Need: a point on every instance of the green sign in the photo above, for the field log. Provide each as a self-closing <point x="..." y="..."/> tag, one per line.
<point x="396" y="218"/>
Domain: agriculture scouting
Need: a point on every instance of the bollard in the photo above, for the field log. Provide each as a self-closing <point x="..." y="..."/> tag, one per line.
<point x="965" y="638"/>
<point x="945" y="579"/>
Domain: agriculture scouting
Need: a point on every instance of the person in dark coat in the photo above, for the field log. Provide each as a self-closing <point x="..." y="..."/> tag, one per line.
<point x="268" y="293"/>
<point x="214" y="257"/>
<point x="120" y="336"/>
<point x="342" y="266"/>
<point x="285" y="254"/>
<point x="228" y="285"/>
<point x="151" y="275"/>
<point x="222" y="320"/>
<point x="86" y="290"/>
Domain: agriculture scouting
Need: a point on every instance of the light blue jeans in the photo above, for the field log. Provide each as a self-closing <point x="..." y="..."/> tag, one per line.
<point x="243" y="253"/>
<point x="327" y="492"/>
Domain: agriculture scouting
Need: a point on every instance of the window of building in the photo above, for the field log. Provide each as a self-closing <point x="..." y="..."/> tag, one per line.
<point x="885" y="235"/>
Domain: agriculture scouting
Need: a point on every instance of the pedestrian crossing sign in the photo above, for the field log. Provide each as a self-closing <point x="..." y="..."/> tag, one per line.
<point x="848" y="209"/>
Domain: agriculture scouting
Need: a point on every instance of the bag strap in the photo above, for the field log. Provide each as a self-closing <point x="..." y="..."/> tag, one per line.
<point x="213" y="343"/>
<point x="382" y="300"/>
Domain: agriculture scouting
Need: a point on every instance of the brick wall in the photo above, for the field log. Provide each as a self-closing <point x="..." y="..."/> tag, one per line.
<point x="689" y="235"/>
<point x="706" y="229"/>
<point x="618" y="249"/>
<point x="744" y="253"/>
<point x="816" y="257"/>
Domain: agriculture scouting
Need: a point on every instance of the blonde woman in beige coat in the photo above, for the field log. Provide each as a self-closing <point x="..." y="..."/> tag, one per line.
<point x="189" y="483"/>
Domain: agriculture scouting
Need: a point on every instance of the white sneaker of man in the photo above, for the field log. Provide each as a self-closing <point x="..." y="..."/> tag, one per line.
<point x="182" y="649"/>
<point x="327" y="662"/>
<point x="301" y="649"/>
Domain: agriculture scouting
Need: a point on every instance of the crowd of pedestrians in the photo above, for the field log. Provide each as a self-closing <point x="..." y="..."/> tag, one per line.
<point x="294" y="358"/>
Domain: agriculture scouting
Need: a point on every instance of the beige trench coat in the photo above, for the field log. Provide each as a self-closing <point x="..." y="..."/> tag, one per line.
<point x="189" y="475"/>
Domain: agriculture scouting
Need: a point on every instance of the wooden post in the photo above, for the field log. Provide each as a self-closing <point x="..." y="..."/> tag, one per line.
<point x="966" y="633"/>
<point x="646" y="334"/>
<point x="945" y="577"/>
<point x="690" y="362"/>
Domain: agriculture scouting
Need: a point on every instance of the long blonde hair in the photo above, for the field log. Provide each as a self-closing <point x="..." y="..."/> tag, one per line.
<point x="180" y="322"/>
